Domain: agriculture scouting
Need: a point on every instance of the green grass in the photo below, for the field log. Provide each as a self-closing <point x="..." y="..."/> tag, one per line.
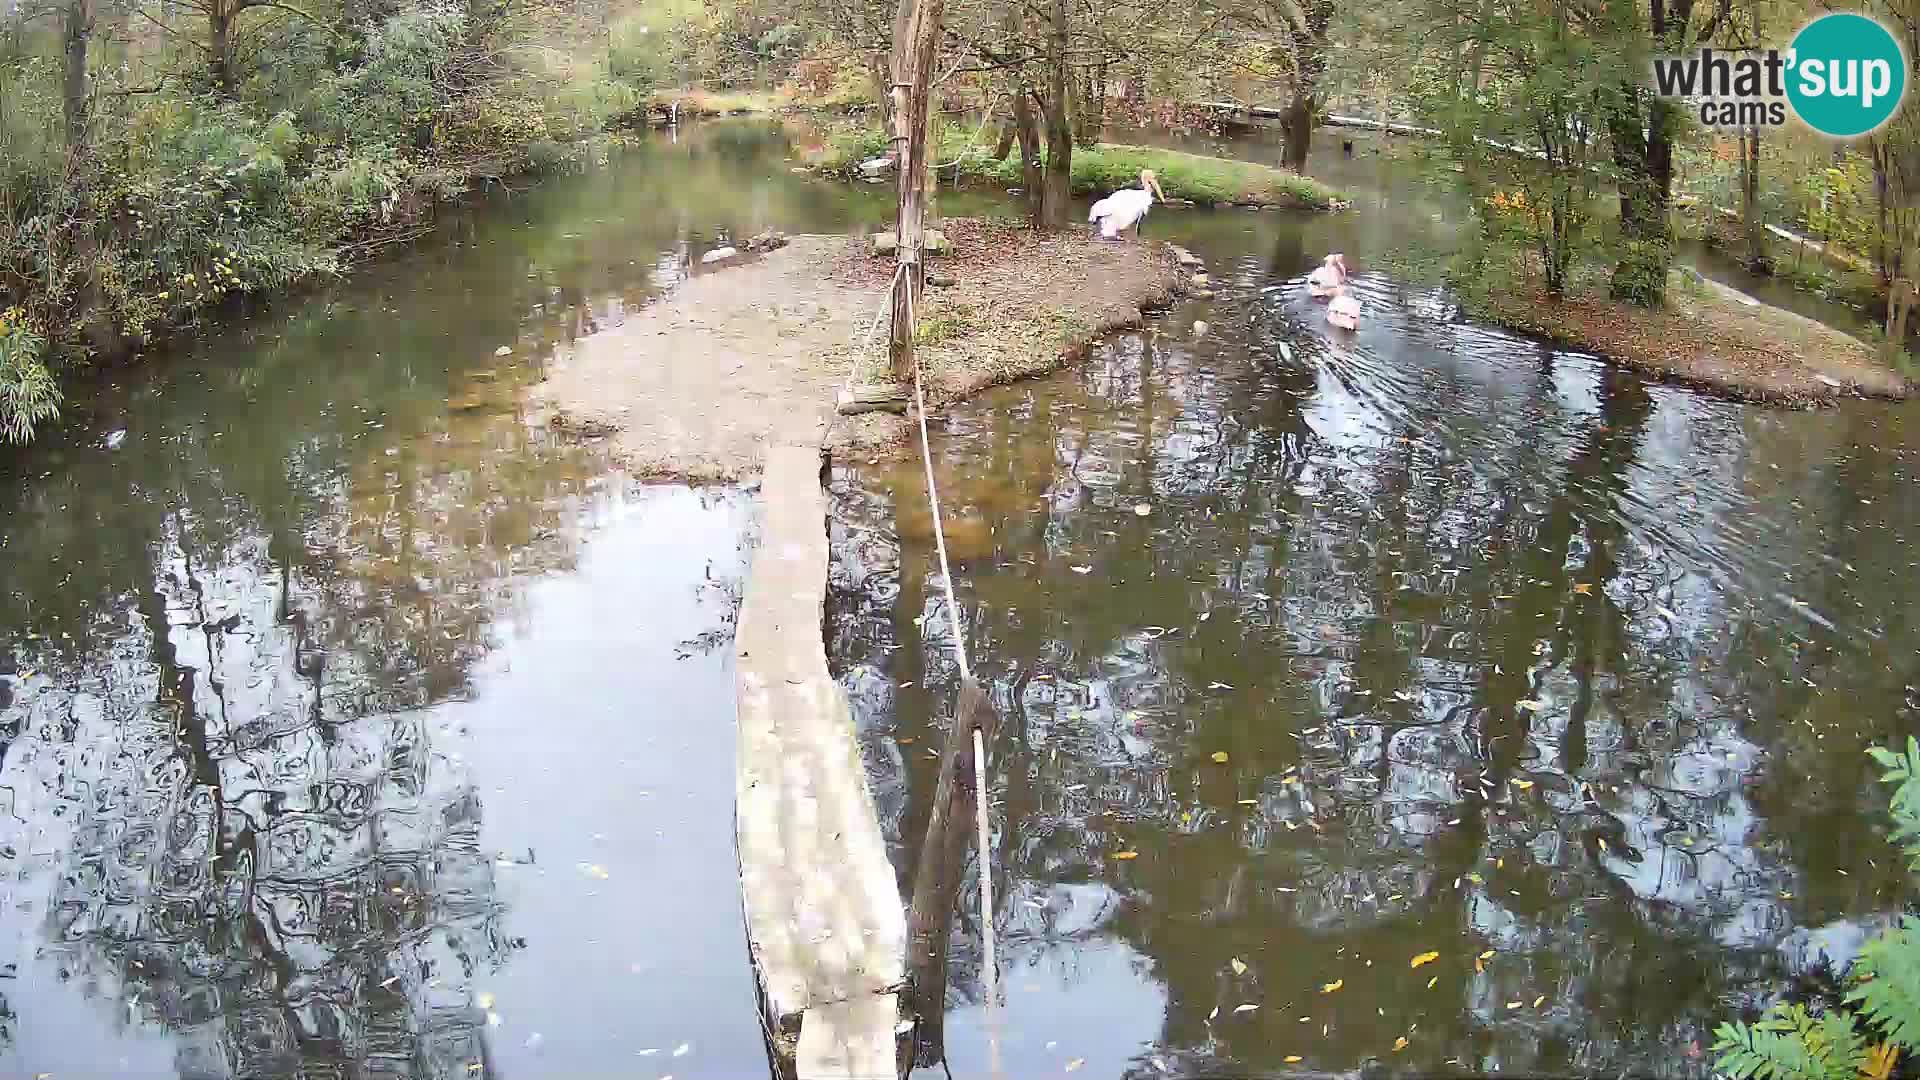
<point x="1107" y="167"/>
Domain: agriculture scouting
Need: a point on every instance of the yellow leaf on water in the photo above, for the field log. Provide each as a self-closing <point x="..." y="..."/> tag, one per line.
<point x="1400" y="1044"/>
<point x="1584" y="588"/>
<point x="1239" y="967"/>
<point x="1515" y="1004"/>
<point x="1126" y="854"/>
<point x="1523" y="785"/>
<point x="1488" y="955"/>
<point x="1424" y="958"/>
<point x="1603" y="843"/>
<point x="1075" y="1063"/>
<point x="1530" y="705"/>
<point x="1432" y="981"/>
<point x="1248" y="1007"/>
<point x="1538" y="1000"/>
<point x="485" y="1000"/>
<point x="1220" y="756"/>
<point x="1292" y="1059"/>
<point x="1336" y="984"/>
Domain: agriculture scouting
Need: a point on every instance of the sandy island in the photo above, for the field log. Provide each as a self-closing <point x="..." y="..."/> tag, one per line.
<point x="756" y="351"/>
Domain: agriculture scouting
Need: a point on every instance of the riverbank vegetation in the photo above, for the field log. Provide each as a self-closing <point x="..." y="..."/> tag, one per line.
<point x="161" y="161"/>
<point x="1569" y="158"/>
<point x="1099" y="168"/>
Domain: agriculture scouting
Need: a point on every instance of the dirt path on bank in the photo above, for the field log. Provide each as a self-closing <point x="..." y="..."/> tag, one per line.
<point x="743" y="355"/>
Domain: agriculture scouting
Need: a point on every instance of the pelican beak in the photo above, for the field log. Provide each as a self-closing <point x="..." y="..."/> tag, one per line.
<point x="1158" y="192"/>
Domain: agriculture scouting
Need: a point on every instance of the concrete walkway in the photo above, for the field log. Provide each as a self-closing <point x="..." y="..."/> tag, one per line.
<point x="825" y="921"/>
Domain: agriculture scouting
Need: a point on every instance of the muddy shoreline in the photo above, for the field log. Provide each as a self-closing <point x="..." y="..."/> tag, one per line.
<point x="755" y="352"/>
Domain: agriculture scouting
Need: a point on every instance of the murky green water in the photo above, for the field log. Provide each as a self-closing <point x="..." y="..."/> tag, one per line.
<point x="1320" y="653"/>
<point x="349" y="726"/>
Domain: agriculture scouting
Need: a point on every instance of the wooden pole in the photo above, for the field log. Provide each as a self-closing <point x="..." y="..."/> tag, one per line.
<point x="913" y="59"/>
<point x="936" y="881"/>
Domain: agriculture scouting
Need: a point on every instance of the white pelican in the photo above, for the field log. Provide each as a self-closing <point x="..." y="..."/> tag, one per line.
<point x="1327" y="278"/>
<point x="1344" y="312"/>
<point x="1124" y="209"/>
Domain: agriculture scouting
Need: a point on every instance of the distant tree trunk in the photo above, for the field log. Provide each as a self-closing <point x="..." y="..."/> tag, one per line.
<point x="1026" y="127"/>
<point x="76" y="94"/>
<point x="878" y="71"/>
<point x="1057" y="190"/>
<point x="1757" y="259"/>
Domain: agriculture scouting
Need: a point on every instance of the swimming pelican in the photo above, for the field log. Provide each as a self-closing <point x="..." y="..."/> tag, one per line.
<point x="1327" y="278"/>
<point x="1344" y="312"/>
<point x="1124" y="209"/>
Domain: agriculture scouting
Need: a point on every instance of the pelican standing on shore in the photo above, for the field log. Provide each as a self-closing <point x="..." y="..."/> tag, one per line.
<point x="1126" y="208"/>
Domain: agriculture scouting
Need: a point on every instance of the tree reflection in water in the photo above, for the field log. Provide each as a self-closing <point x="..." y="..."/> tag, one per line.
<point x="234" y="815"/>
<point x="1508" y="654"/>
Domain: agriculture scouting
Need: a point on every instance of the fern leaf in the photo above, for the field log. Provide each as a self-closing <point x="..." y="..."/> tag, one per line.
<point x="1888" y="995"/>
<point x="1789" y="1043"/>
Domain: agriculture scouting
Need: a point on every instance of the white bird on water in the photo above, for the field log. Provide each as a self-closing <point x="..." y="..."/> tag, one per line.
<point x="1344" y="311"/>
<point x="1126" y="208"/>
<point x="1327" y="278"/>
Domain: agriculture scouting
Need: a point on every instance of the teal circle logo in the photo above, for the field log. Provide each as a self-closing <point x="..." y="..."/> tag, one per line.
<point x="1845" y="75"/>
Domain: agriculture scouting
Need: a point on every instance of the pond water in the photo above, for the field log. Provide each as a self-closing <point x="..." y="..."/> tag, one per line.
<point x="350" y="726"/>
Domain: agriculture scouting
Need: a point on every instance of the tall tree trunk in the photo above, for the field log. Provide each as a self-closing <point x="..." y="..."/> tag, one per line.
<point x="1643" y="154"/>
<point x="1296" y="127"/>
<point x="76" y="93"/>
<point x="1026" y="127"/>
<point x="913" y="57"/>
<point x="1057" y="192"/>
<point x="220" y="45"/>
<point x="1757" y="260"/>
<point x="1310" y="64"/>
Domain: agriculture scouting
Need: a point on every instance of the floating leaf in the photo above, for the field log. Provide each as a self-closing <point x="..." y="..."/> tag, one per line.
<point x="1424" y="958"/>
<point x="1400" y="1044"/>
<point x="1328" y="988"/>
<point x="1603" y="843"/>
<point x="1432" y="981"/>
<point x="1220" y="756"/>
<point x="1530" y="705"/>
<point x="1523" y="785"/>
<point x="1075" y="1063"/>
<point x="1126" y="854"/>
<point x="1239" y="967"/>
<point x="485" y="1000"/>
<point x="1488" y="955"/>
<point x="683" y="1050"/>
<point x="1538" y="1000"/>
<point x="1214" y="1013"/>
<point x="1142" y="509"/>
<point x="1584" y="588"/>
<point x="1516" y="1004"/>
<point x="1248" y="1007"/>
<point x="1293" y="1059"/>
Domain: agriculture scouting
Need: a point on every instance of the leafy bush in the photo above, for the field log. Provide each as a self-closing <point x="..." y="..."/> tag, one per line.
<point x="28" y="393"/>
<point x="1790" y="1043"/>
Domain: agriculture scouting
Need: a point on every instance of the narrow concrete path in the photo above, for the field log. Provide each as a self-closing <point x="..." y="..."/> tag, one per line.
<point x="825" y="921"/>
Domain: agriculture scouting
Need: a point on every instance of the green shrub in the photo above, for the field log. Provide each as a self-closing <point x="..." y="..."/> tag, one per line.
<point x="1881" y="1018"/>
<point x="28" y="393"/>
